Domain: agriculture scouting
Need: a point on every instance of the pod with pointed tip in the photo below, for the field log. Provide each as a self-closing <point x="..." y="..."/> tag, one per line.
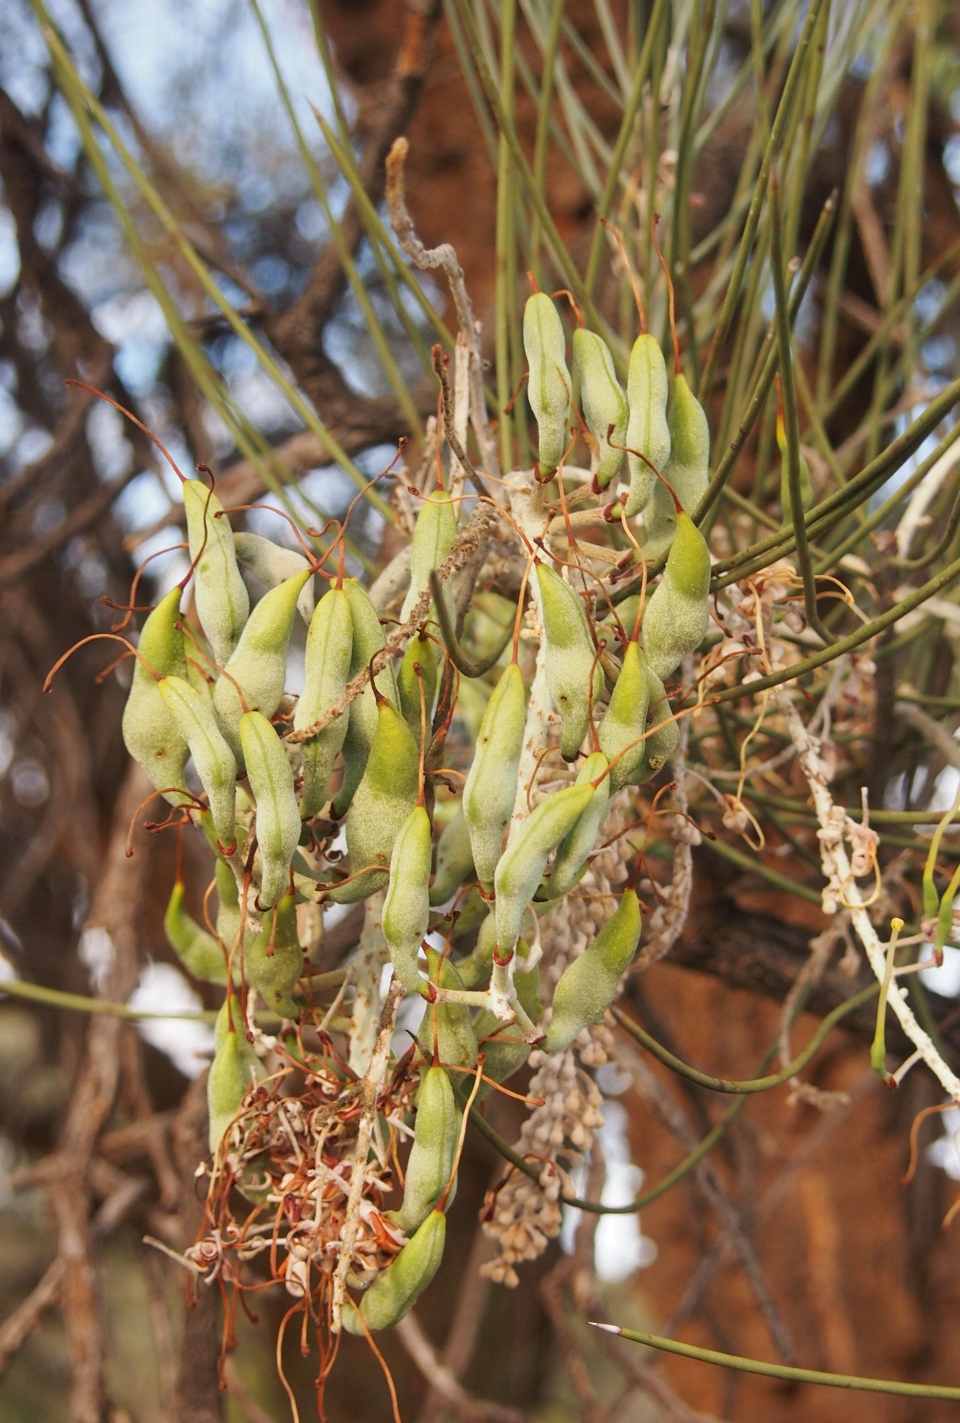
<point x="589" y="985"/>
<point x="271" y="564"/>
<point x="570" y="862"/>
<point x="436" y="1131"/>
<point x="150" y="733"/>
<point x="504" y="1052"/>
<point x="677" y="616"/>
<point x="434" y="535"/>
<point x="326" y="668"/>
<point x="454" y="860"/>
<point x="647" y="428"/>
<point x="603" y="405"/>
<point x="223" y="603"/>
<point x="687" y="471"/>
<point x="368" y="638"/>
<point x="548" y="389"/>
<point x="524" y="860"/>
<point x="215" y="762"/>
<point x="258" y="666"/>
<point x="571" y="661"/>
<point x="234" y="1070"/>
<point x="397" y="1288"/>
<point x="406" y="908"/>
<point x="273" y="959"/>
<point x="452" y="1039"/>
<point x="662" y="743"/>
<point x="278" y="816"/>
<point x="491" y="785"/>
<point x="420" y="653"/>
<point x="197" y="950"/>
<point x="384" y="798"/>
<point x="626" y="719"/>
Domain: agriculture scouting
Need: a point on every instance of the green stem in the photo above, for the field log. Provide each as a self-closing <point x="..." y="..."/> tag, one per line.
<point x="78" y="1003"/>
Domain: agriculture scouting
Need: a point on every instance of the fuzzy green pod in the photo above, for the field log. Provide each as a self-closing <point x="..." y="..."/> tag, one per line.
<point x="406" y="908"/>
<point x="197" y="950"/>
<point x="434" y="1150"/>
<point x="589" y="985"/>
<point x="454" y="860"/>
<point x="215" y="762"/>
<point x="326" y="668"/>
<point x="278" y="817"/>
<point x="420" y="653"/>
<point x="491" y="785"/>
<point x="384" y="798"/>
<point x="676" y="618"/>
<point x="368" y="638"/>
<point x="571" y="661"/>
<point x="662" y="744"/>
<point x="570" y="861"/>
<point x="273" y="959"/>
<point x="524" y="860"/>
<point x="647" y="427"/>
<point x="228" y="905"/>
<point x="687" y="470"/>
<point x="258" y="666"/>
<point x="271" y="564"/>
<point x="451" y="1037"/>
<point x="397" y="1288"/>
<point x="234" y="1070"/>
<point x="603" y="405"/>
<point x="150" y="733"/>
<point x="223" y="603"/>
<point x="548" y="389"/>
<point x="434" y="535"/>
<point x="504" y="1053"/>
<point x="626" y="719"/>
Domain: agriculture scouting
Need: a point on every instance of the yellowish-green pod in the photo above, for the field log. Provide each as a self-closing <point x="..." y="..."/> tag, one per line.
<point x="677" y="616"/>
<point x="687" y="470"/>
<point x="397" y="1288"/>
<point x="368" y="638"/>
<point x="406" y="907"/>
<point x="806" y="483"/>
<point x="603" y="405"/>
<point x="647" y="428"/>
<point x="326" y="670"/>
<point x="491" y="785"/>
<point x="278" y="816"/>
<point x="571" y="661"/>
<point x="434" y="1149"/>
<point x="228" y="906"/>
<point x="626" y="719"/>
<point x="524" y="860"/>
<point x="548" y="389"/>
<point x="197" y="950"/>
<point x="434" y="536"/>
<point x="448" y="1026"/>
<point x="222" y="599"/>
<point x="384" y="798"/>
<point x="420" y="653"/>
<point x="273" y="959"/>
<point x="258" y="666"/>
<point x="234" y="1070"/>
<point x="662" y="744"/>
<point x="454" y="860"/>
<point x="150" y="733"/>
<point x="215" y="763"/>
<point x="504" y="1052"/>
<point x="589" y="985"/>
<point x="271" y="564"/>
<point x="570" y="862"/>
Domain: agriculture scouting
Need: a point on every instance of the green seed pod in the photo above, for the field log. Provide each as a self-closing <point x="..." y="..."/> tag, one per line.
<point x="273" y="959"/>
<point x="476" y="967"/>
<point x="434" y="535"/>
<point x="603" y="405"/>
<point x="571" y="658"/>
<point x="434" y="1149"/>
<point x="259" y="664"/>
<point x="420" y="652"/>
<point x="234" y="1070"/>
<point x="504" y="1053"/>
<point x="524" y="860"/>
<point x="451" y="1039"/>
<point x="368" y="638"/>
<point x="215" y="762"/>
<point x="688" y="468"/>
<point x="454" y="860"/>
<point x="491" y="785"/>
<point x="570" y="862"/>
<point x="647" y="428"/>
<point x="278" y="817"/>
<point x="662" y="744"/>
<point x="589" y="985"/>
<point x="676" y="618"/>
<point x="406" y="908"/>
<point x="228" y="905"/>
<point x="385" y="797"/>
<point x="150" y="733"/>
<point x="272" y="565"/>
<point x="197" y="950"/>
<point x="222" y="599"/>
<point x="326" y="669"/>
<point x="626" y="719"/>
<point x="397" y="1288"/>
<point x="548" y="389"/>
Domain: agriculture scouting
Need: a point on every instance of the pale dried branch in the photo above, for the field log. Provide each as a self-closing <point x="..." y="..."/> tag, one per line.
<point x="444" y="1381"/>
